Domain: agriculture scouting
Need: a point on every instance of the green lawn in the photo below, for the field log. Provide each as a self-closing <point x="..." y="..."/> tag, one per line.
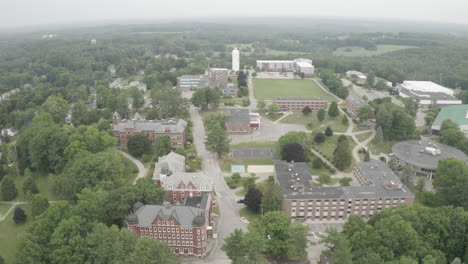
<point x="255" y="144"/>
<point x="249" y="214"/>
<point x="4" y="208"/>
<point x="226" y="164"/>
<point x="328" y="147"/>
<point x="266" y="89"/>
<point x="384" y="147"/>
<point x="361" y="52"/>
<point x="364" y="136"/>
<point x="313" y="123"/>
<point x="11" y="233"/>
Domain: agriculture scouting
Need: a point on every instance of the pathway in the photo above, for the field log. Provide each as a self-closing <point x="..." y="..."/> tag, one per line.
<point x="14" y="204"/>
<point x="142" y="171"/>
<point x="284" y="115"/>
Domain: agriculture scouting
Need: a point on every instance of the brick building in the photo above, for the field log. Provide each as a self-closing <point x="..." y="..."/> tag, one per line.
<point x="237" y="121"/>
<point x="353" y="103"/>
<point x="297" y="104"/>
<point x="175" y="128"/>
<point x="218" y="76"/>
<point x="184" y="187"/>
<point x="380" y="189"/>
<point x="183" y="228"/>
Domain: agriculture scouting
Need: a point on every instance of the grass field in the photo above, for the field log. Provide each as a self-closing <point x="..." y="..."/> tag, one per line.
<point x="10" y="234"/>
<point x="313" y="123"/>
<point x="249" y="214"/>
<point x="266" y="89"/>
<point x="361" y="52"/>
<point x="362" y="137"/>
<point x="384" y="147"/>
<point x="328" y="147"/>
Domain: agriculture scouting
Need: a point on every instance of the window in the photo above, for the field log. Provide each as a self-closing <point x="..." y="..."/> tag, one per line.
<point x="173" y="230"/>
<point x="177" y="230"/>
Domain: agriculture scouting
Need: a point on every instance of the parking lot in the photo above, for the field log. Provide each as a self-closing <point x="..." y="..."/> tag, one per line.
<point x="253" y="153"/>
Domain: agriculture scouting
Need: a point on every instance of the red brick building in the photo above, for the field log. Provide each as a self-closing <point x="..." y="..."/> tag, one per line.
<point x="219" y="76"/>
<point x="175" y="128"/>
<point x="183" y="228"/>
<point x="353" y="103"/>
<point x="237" y="121"/>
<point x="297" y="104"/>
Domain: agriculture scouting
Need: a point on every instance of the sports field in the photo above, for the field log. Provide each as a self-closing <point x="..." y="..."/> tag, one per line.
<point x="268" y="89"/>
<point x="361" y="52"/>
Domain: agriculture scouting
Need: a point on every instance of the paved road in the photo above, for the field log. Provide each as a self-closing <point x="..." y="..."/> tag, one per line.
<point x="227" y="200"/>
<point x="142" y="171"/>
<point x="371" y="94"/>
<point x="253" y="100"/>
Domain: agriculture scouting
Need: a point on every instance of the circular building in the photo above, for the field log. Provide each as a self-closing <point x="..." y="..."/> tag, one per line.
<point x="424" y="155"/>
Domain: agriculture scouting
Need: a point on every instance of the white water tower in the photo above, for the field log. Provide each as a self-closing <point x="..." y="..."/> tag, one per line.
<point x="235" y="60"/>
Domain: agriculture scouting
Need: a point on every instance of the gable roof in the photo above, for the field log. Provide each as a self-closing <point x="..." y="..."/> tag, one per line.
<point x="456" y="113"/>
<point x="174" y="162"/>
<point x="182" y="214"/>
<point x="237" y="116"/>
<point x="200" y="180"/>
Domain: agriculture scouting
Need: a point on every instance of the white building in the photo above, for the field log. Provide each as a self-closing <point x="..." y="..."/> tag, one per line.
<point x="299" y="65"/>
<point x="428" y="94"/>
<point x="357" y="77"/>
<point x="235" y="60"/>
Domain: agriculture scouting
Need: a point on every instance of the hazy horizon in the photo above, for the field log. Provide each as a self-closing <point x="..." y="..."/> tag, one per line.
<point x="30" y="13"/>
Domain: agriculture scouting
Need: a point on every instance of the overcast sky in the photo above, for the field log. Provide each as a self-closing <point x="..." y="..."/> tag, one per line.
<point x="14" y="13"/>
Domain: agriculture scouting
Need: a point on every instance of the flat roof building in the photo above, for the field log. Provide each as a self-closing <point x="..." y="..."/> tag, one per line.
<point x="380" y="188"/>
<point x="353" y="103"/>
<point x="428" y="94"/>
<point x="299" y="65"/>
<point x="297" y="104"/>
<point x="456" y="113"/>
<point x="424" y="155"/>
<point x="357" y="77"/>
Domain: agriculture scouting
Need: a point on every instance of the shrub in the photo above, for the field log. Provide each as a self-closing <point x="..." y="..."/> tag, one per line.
<point x="317" y="163"/>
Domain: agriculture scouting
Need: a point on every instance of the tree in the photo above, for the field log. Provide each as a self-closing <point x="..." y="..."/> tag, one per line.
<point x="328" y="131"/>
<point x="57" y="107"/>
<point x="324" y="178"/>
<point x="19" y="216"/>
<point x="345" y="181"/>
<point x="342" y="251"/>
<point x="162" y="146"/>
<point x="261" y="105"/>
<point x="333" y="110"/>
<point x="378" y="135"/>
<point x="217" y="141"/>
<point x="344" y="120"/>
<point x="321" y="114"/>
<point x="317" y="163"/>
<point x="29" y="185"/>
<point x="451" y="134"/>
<point x="249" y="183"/>
<point x="306" y="110"/>
<point x="451" y="184"/>
<point x="243" y="248"/>
<point x="365" y="112"/>
<point x="273" y="109"/>
<point x="39" y="205"/>
<point x="8" y="189"/>
<point x="236" y="177"/>
<point x="367" y="156"/>
<point x="272" y="197"/>
<point x="298" y="241"/>
<point x="253" y="199"/>
<point x="407" y="176"/>
<point x="293" y="152"/>
<point x="319" y="137"/>
<point x="292" y="137"/>
<point x="149" y="251"/>
<point x="342" y="157"/>
<point x="91" y="170"/>
<point x="138" y="145"/>
<point x="2" y="260"/>
<point x="371" y="79"/>
<point x="276" y="228"/>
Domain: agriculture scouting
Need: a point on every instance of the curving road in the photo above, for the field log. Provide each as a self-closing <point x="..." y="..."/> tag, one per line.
<point x="142" y="171"/>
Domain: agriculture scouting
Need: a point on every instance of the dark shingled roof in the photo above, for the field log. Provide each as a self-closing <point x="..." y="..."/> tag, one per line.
<point x="237" y="116"/>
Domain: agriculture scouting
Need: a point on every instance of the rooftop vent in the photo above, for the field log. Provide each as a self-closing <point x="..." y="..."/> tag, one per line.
<point x="432" y="151"/>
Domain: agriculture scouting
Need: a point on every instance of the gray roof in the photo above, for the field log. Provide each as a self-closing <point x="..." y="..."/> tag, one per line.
<point x="299" y="99"/>
<point x="377" y="171"/>
<point x="174" y="162"/>
<point x="295" y="182"/>
<point x="175" y="125"/>
<point x="414" y="152"/>
<point x="237" y="116"/>
<point x="421" y="95"/>
<point x="182" y="214"/>
<point x="188" y="77"/>
<point x="201" y="202"/>
<point x="200" y="180"/>
<point x="356" y="100"/>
